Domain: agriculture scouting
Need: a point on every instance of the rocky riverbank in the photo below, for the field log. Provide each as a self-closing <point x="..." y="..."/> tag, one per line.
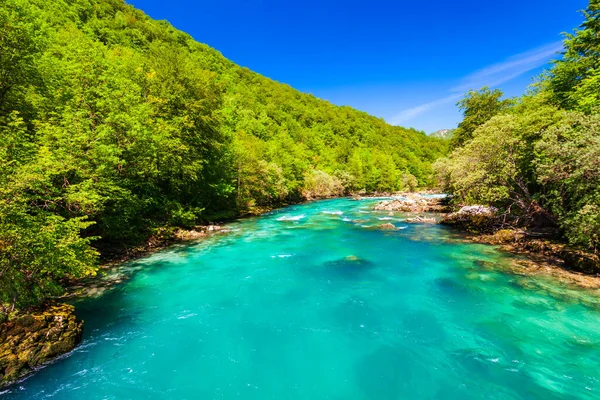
<point x="557" y="253"/>
<point x="29" y="340"/>
<point x="482" y="224"/>
<point x="119" y="253"/>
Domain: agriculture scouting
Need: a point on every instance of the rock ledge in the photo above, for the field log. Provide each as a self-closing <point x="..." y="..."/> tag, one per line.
<point x="29" y="340"/>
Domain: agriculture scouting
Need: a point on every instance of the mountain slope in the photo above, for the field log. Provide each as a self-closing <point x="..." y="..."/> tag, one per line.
<point x="114" y="125"/>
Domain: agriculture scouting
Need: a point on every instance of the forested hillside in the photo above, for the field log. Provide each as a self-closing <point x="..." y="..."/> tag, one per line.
<point x="537" y="157"/>
<point x="113" y="125"/>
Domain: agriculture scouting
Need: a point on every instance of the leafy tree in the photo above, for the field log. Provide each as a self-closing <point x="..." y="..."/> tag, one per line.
<point x="408" y="182"/>
<point x="36" y="253"/>
<point x="19" y="45"/>
<point x="478" y="107"/>
<point x="569" y="167"/>
<point x="319" y="184"/>
<point x="581" y="60"/>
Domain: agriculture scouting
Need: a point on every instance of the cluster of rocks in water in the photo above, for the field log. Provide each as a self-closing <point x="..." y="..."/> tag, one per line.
<point x="28" y="340"/>
<point x="557" y="253"/>
<point x="414" y="203"/>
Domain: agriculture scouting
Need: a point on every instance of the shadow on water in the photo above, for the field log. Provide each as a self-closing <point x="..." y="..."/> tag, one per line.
<point x="423" y="327"/>
<point x="357" y="317"/>
<point x="392" y="373"/>
<point x="107" y="316"/>
<point x="453" y="289"/>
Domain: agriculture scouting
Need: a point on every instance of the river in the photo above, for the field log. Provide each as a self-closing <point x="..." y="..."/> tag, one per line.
<point x="313" y="302"/>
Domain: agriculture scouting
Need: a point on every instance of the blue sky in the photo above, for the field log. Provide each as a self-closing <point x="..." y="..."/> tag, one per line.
<point x="405" y="61"/>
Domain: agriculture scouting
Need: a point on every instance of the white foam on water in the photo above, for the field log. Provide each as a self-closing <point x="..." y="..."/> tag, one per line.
<point x="333" y="212"/>
<point x="187" y="315"/>
<point x="291" y="217"/>
<point x="282" y="256"/>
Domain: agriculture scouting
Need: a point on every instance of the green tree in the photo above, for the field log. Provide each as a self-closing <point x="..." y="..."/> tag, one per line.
<point x="477" y="107"/>
<point x="37" y="253"/>
<point x="569" y="168"/>
<point x="580" y="61"/>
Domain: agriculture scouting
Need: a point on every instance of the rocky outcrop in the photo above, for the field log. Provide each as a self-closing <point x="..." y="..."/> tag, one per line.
<point x="528" y="242"/>
<point x="414" y="203"/>
<point x="28" y="340"/>
<point x="198" y="233"/>
<point x="421" y="219"/>
<point x="472" y="217"/>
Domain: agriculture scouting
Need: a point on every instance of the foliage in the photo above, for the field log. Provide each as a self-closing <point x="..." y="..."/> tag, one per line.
<point x="37" y="252"/>
<point x="577" y="70"/>
<point x="320" y="184"/>
<point x="408" y="182"/>
<point x="478" y="107"/>
<point x="569" y="168"/>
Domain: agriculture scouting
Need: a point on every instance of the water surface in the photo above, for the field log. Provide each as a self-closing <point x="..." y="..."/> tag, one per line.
<point x="311" y="302"/>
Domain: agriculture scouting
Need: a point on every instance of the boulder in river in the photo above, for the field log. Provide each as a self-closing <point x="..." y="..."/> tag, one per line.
<point x="28" y="340"/>
<point x="472" y="217"/>
<point x="387" y="227"/>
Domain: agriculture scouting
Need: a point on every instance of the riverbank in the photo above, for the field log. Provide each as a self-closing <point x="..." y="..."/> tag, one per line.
<point x="540" y="253"/>
<point x="546" y="257"/>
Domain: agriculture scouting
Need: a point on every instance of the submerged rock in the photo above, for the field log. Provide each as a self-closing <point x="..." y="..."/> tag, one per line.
<point x="387" y="227"/>
<point x="28" y="340"/>
<point x="349" y="266"/>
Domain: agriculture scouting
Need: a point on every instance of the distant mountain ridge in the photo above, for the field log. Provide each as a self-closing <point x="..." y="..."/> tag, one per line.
<point x="442" y="134"/>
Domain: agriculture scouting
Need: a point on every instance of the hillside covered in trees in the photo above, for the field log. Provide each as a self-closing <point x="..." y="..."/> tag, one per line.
<point x="537" y="157"/>
<point x="113" y="125"/>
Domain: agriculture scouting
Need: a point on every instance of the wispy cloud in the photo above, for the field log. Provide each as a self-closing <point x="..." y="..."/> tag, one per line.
<point x="511" y="68"/>
<point x="492" y="75"/>
<point x="410" y="113"/>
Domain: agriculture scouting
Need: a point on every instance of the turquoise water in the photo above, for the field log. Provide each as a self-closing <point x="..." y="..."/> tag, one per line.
<point x="309" y="302"/>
